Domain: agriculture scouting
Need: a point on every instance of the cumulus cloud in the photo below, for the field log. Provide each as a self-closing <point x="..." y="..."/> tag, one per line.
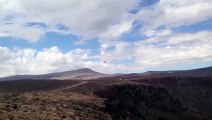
<point x="177" y="49"/>
<point x="85" y="19"/>
<point x="166" y="50"/>
<point x="102" y="19"/>
<point x="152" y="52"/>
<point x="157" y="23"/>
<point x="31" y="61"/>
<point x="171" y="14"/>
<point x="108" y="21"/>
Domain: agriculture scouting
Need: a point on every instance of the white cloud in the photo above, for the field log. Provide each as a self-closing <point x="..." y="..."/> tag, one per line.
<point x="166" y="50"/>
<point x="164" y="32"/>
<point x="175" y="49"/>
<point x="102" y="19"/>
<point x="17" y="31"/>
<point x="152" y="52"/>
<point x="83" y="18"/>
<point x="171" y="13"/>
<point x="106" y="20"/>
<point x="115" y="31"/>
<point x="119" y="52"/>
<point x="30" y="61"/>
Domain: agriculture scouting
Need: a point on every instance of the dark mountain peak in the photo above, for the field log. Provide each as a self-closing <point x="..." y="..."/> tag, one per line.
<point x="83" y="70"/>
<point x="86" y="70"/>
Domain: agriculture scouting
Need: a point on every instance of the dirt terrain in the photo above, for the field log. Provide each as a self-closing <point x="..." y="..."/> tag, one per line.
<point x="134" y="98"/>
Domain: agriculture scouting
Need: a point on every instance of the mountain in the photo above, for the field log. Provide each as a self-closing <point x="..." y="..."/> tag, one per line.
<point x="79" y="74"/>
<point x="153" y="95"/>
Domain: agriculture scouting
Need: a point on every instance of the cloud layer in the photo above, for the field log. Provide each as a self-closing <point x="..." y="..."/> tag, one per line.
<point x="176" y="49"/>
<point x="85" y="19"/>
<point x="158" y="44"/>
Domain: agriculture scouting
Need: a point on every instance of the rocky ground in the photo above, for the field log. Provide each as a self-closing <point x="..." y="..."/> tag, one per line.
<point x="51" y="106"/>
<point x="137" y="99"/>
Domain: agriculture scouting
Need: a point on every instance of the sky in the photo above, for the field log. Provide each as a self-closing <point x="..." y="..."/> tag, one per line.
<point x="109" y="36"/>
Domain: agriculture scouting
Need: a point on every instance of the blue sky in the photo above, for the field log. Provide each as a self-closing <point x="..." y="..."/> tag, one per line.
<point x="107" y="36"/>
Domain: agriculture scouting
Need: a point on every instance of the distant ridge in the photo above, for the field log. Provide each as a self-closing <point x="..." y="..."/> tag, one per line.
<point x="89" y="74"/>
<point x="82" y="70"/>
<point x="79" y="74"/>
<point x="200" y="72"/>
